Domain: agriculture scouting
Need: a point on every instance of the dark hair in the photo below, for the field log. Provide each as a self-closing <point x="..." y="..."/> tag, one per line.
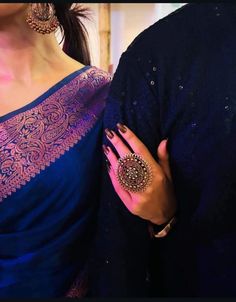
<point x="74" y="32"/>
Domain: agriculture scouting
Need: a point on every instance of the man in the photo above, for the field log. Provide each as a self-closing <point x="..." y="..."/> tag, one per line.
<point x="177" y="81"/>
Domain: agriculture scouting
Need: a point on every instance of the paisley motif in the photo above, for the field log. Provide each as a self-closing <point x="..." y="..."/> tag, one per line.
<point x="31" y="140"/>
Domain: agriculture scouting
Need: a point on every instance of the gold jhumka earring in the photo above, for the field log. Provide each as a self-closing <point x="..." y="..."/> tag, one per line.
<point x="41" y="18"/>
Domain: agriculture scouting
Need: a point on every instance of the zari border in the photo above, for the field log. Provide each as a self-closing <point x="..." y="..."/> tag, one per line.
<point x="32" y="140"/>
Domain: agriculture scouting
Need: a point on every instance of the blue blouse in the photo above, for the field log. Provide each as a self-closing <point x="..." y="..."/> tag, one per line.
<point x="50" y="154"/>
<point x="177" y="81"/>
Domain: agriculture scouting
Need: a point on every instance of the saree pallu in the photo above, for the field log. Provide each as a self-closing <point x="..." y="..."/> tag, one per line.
<point x="50" y="155"/>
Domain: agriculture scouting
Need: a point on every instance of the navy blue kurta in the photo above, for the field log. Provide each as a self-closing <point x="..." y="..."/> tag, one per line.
<point x="177" y="80"/>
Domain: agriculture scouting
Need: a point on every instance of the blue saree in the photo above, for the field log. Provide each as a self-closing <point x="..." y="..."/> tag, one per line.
<point x="50" y="155"/>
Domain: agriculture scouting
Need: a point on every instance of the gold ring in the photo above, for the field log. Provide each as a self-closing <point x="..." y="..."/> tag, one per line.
<point x="133" y="173"/>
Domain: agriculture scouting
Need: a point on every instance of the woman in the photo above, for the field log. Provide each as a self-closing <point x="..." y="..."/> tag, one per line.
<point x="51" y="106"/>
<point x="50" y="134"/>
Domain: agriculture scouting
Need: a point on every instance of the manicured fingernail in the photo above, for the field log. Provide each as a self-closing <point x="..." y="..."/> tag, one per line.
<point x="121" y="127"/>
<point x="109" y="134"/>
<point x="105" y="149"/>
<point x="108" y="164"/>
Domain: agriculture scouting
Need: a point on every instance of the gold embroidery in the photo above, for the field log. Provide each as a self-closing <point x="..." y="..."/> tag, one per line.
<point x="32" y="140"/>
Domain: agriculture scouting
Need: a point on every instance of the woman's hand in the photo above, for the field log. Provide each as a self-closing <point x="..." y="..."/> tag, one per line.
<point x="157" y="203"/>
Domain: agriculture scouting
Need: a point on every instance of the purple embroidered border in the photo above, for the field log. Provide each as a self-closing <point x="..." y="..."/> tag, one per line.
<point x="32" y="140"/>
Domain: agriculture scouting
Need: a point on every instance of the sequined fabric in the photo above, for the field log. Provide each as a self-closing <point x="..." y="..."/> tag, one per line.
<point x="177" y="81"/>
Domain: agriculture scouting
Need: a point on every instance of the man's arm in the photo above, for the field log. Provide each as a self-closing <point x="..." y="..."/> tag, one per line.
<point x="120" y="266"/>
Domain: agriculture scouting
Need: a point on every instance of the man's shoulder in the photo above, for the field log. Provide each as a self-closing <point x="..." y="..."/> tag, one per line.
<point x="185" y="25"/>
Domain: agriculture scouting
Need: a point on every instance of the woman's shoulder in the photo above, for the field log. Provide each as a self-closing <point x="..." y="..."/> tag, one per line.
<point x="96" y="80"/>
<point x="88" y="82"/>
<point x="93" y="79"/>
<point x="99" y="74"/>
<point x="87" y="77"/>
<point x="90" y="87"/>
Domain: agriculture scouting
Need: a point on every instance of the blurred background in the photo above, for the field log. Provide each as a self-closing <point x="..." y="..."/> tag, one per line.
<point x="114" y="26"/>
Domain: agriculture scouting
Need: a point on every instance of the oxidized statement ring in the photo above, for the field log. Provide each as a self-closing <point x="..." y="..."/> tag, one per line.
<point x="133" y="173"/>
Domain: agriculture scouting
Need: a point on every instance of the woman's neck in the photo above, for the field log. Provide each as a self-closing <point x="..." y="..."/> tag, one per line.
<point x="26" y="55"/>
